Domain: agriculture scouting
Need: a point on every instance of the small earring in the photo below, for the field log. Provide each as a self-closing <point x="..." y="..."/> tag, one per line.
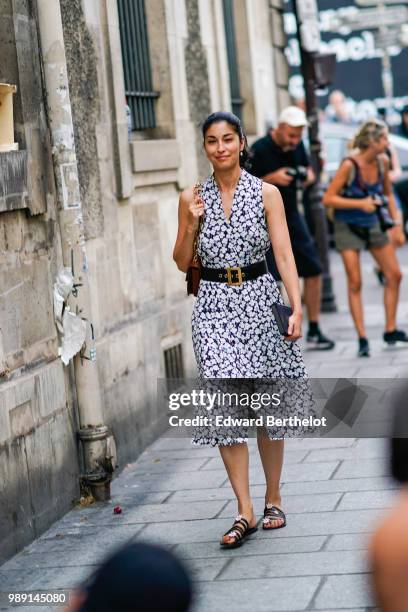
<point x="241" y="153"/>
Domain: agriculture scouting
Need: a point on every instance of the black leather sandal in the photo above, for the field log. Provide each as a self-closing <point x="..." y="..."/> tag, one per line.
<point x="271" y="513"/>
<point x="239" y="531"/>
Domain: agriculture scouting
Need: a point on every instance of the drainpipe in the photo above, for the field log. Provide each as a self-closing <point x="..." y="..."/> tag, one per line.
<point x="92" y="432"/>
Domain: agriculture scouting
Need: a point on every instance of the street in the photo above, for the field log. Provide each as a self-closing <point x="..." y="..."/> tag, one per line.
<point x="334" y="493"/>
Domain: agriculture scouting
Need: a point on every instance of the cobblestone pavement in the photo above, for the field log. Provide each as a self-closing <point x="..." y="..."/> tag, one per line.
<point x="334" y="492"/>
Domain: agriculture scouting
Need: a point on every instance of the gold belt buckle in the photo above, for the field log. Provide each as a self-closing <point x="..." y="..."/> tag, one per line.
<point x="230" y="281"/>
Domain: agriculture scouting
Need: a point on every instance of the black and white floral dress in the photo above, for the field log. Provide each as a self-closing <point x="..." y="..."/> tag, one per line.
<point x="234" y="331"/>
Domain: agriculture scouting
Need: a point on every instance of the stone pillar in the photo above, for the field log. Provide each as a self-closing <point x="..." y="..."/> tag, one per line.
<point x="85" y="104"/>
<point x="197" y="80"/>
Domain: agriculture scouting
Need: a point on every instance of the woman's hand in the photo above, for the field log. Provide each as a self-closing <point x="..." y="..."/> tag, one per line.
<point x="397" y="236"/>
<point x="191" y="208"/>
<point x="195" y="211"/>
<point x="368" y="204"/>
<point x="294" y="327"/>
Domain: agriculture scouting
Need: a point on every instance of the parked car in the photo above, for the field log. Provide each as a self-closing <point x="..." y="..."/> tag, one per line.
<point x="336" y="140"/>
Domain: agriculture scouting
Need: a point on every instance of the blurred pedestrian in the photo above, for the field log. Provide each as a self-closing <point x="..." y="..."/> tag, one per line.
<point x="388" y="552"/>
<point x="361" y="195"/>
<point x="300" y="102"/>
<point x="403" y="127"/>
<point x="137" y="578"/>
<point x="338" y="110"/>
<point x="280" y="158"/>
<point x="394" y="173"/>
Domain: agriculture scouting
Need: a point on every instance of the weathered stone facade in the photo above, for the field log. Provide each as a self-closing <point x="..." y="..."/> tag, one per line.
<point x="86" y="108"/>
<point x="129" y="193"/>
<point x="38" y="450"/>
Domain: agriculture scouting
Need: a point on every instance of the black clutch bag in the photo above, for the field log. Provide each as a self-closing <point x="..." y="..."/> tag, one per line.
<point x="282" y="314"/>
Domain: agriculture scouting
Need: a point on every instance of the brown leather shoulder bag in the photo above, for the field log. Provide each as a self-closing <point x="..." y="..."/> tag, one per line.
<point x="193" y="275"/>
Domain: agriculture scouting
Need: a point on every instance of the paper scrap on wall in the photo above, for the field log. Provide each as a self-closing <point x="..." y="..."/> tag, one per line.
<point x="71" y="327"/>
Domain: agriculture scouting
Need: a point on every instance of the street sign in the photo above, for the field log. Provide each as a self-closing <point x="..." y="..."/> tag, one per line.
<point x="375" y="2"/>
<point x="388" y="37"/>
<point x="376" y="17"/>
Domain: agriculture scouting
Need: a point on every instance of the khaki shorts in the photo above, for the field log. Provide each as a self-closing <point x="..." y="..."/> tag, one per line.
<point x="346" y="239"/>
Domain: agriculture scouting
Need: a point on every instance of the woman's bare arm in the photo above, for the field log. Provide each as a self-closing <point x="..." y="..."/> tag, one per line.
<point x="188" y="220"/>
<point x="282" y="250"/>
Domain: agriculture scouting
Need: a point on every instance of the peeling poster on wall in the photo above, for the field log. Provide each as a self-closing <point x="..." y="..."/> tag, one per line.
<point x="70" y="185"/>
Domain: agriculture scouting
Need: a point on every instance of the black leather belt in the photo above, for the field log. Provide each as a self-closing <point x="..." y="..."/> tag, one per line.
<point x="235" y="276"/>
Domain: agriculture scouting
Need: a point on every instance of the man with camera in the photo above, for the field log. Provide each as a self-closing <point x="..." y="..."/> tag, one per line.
<point x="280" y="158"/>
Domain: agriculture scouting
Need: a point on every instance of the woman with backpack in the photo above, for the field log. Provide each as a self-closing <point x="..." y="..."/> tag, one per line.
<point x="366" y="217"/>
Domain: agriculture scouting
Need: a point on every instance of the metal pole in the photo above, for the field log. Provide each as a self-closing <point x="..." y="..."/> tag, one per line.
<point x="386" y="68"/>
<point x="93" y="432"/>
<point x="317" y="210"/>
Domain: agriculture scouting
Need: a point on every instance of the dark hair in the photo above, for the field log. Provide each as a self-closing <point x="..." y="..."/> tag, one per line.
<point x="399" y="441"/>
<point x="139" y="576"/>
<point x="399" y="459"/>
<point x="236" y="125"/>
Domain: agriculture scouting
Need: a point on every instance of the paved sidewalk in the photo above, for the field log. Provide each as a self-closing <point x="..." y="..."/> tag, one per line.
<point x="334" y="492"/>
<point x="342" y="361"/>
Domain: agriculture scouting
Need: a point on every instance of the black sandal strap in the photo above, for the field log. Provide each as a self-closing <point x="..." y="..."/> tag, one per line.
<point x="239" y="528"/>
<point x="274" y="513"/>
<point x="234" y="533"/>
<point x="243" y="520"/>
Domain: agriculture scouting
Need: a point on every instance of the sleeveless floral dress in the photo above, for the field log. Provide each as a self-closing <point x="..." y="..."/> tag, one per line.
<point x="235" y="334"/>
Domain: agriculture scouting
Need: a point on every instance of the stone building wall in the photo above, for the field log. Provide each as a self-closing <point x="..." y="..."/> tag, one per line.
<point x="38" y="450"/>
<point x="129" y="193"/>
<point x="138" y="295"/>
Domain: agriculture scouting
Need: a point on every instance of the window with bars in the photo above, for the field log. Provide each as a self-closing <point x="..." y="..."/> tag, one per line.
<point x="136" y="63"/>
<point x="173" y="362"/>
<point x="236" y="100"/>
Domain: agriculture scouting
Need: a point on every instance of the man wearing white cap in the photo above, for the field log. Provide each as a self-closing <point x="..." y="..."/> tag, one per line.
<point x="280" y="158"/>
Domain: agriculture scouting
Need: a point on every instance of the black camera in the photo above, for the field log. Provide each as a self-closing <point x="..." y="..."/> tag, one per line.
<point x="299" y="173"/>
<point x="383" y="212"/>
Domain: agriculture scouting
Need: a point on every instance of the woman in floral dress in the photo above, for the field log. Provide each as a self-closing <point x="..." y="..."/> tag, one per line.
<point x="234" y="332"/>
